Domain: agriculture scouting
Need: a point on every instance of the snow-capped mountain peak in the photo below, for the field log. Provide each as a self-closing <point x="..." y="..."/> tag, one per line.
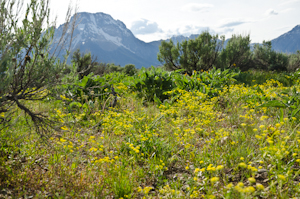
<point x="107" y="39"/>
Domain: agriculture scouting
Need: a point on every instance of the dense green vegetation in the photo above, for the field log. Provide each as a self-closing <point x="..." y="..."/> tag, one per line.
<point x="212" y="134"/>
<point x="201" y="127"/>
<point x="207" y="51"/>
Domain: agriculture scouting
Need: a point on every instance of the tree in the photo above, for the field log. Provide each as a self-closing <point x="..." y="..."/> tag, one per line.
<point x="267" y="59"/>
<point x="198" y="54"/>
<point x="27" y="71"/>
<point x="237" y="53"/>
<point x="169" y="55"/>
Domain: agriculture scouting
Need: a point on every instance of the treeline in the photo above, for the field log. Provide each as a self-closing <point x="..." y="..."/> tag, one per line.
<point x="207" y="51"/>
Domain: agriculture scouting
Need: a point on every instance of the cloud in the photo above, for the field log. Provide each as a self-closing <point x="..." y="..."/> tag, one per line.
<point x="144" y="26"/>
<point x="226" y="31"/>
<point x="197" y="7"/>
<point x="288" y="2"/>
<point x="271" y="12"/>
<point x="188" y="30"/>
<point x="227" y="23"/>
<point x="283" y="28"/>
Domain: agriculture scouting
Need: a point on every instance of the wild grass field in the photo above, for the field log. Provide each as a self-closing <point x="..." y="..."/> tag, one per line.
<point x="214" y="134"/>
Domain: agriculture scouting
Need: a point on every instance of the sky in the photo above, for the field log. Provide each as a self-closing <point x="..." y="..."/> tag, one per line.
<point x="151" y="20"/>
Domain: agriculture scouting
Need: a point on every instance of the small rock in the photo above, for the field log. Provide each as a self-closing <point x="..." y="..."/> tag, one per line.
<point x="262" y="170"/>
<point x="185" y="187"/>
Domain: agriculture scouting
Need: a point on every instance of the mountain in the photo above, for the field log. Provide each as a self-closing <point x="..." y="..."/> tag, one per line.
<point x="112" y="42"/>
<point x="288" y="42"/>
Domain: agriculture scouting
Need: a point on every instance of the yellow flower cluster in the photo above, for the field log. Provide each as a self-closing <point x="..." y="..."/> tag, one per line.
<point x="145" y="190"/>
<point x="135" y="149"/>
<point x="240" y="188"/>
<point x="161" y="166"/>
<point x="65" y="98"/>
<point x="104" y="160"/>
<point x="168" y="192"/>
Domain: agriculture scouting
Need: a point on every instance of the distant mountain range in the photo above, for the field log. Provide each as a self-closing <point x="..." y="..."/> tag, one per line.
<point x="112" y="42"/>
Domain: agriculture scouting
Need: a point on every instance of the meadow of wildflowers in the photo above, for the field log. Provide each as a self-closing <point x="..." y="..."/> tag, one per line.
<point x="212" y="140"/>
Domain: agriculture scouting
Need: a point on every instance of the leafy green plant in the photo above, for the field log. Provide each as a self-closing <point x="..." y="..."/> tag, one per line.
<point x="92" y="91"/>
<point x="207" y="82"/>
<point x="152" y="84"/>
<point x="289" y="101"/>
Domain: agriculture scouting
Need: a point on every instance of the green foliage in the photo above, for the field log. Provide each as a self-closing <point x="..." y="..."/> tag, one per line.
<point x="151" y="84"/>
<point x="99" y="69"/>
<point x="294" y="62"/>
<point x="286" y="100"/>
<point x="267" y="59"/>
<point x="84" y="63"/>
<point x="208" y="82"/>
<point x="199" y="54"/>
<point x="130" y="69"/>
<point x="237" y="53"/>
<point x="204" y="52"/>
<point x="113" y="68"/>
<point x="90" y="88"/>
<point x="253" y="77"/>
<point x="169" y="55"/>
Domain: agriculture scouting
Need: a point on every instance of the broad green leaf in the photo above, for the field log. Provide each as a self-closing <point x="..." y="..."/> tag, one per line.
<point x="75" y="105"/>
<point x="274" y="103"/>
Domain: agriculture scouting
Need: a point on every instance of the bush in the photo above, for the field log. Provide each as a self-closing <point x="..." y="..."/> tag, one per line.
<point x="129" y="69"/>
<point x="267" y="59"/>
<point x="198" y="54"/>
<point x="208" y="82"/>
<point x="84" y="62"/>
<point x="113" y="68"/>
<point x="99" y="69"/>
<point x="255" y="77"/>
<point x="294" y="62"/>
<point x="152" y="84"/>
<point x="237" y="53"/>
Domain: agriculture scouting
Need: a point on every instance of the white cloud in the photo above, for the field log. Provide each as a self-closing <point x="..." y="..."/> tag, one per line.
<point x="187" y="29"/>
<point x="144" y="26"/>
<point x="226" y="31"/>
<point x="271" y="12"/>
<point x="197" y="7"/>
<point x="231" y="22"/>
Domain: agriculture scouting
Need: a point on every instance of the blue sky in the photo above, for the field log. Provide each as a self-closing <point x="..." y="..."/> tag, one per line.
<point x="152" y="20"/>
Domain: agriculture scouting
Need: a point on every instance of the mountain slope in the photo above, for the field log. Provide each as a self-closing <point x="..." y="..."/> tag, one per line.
<point x="288" y="42"/>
